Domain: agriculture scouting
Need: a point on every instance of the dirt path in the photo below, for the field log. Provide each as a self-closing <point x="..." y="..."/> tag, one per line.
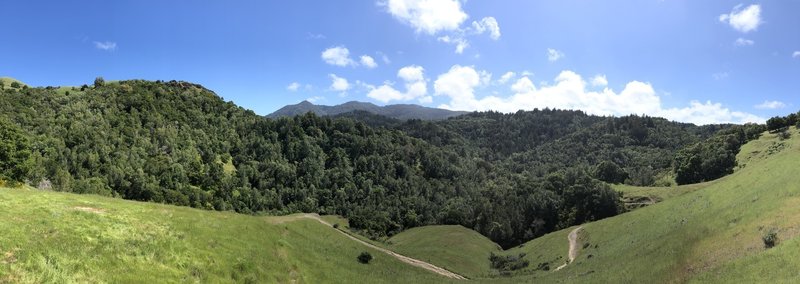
<point x="573" y="247"/>
<point x="412" y="261"/>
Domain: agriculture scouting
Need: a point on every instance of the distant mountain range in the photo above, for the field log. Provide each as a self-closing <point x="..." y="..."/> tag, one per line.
<point x="400" y="111"/>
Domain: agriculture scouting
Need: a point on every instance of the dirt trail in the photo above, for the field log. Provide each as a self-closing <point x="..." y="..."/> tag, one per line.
<point x="573" y="247"/>
<point x="412" y="261"/>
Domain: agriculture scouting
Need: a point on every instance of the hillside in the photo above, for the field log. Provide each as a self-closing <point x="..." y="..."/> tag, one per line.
<point x="709" y="232"/>
<point x="6" y="82"/>
<point x="53" y="237"/>
<point x="399" y="111"/>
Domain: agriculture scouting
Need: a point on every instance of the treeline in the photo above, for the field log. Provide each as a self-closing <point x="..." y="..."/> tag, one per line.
<point x="511" y="177"/>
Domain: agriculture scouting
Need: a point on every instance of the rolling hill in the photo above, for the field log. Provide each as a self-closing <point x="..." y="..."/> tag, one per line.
<point x="708" y="232"/>
<point x="399" y="111"/>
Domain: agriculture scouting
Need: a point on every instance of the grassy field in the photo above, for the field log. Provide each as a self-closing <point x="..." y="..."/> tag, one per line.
<point x="7" y="81"/>
<point x="50" y="237"/>
<point x="704" y="233"/>
<point x="456" y="248"/>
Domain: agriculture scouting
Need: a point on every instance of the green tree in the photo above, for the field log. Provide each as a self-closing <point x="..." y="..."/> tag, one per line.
<point x="610" y="172"/>
<point x="776" y="123"/>
<point x="15" y="85"/>
<point x="14" y="152"/>
<point x="99" y="82"/>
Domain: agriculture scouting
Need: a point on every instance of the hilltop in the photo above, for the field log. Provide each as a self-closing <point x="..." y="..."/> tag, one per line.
<point x="399" y="111"/>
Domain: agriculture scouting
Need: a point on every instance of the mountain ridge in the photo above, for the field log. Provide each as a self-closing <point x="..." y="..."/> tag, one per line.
<point x="397" y="111"/>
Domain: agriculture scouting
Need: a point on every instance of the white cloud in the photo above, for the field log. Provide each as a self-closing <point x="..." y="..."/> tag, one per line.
<point x="743" y="42"/>
<point x="487" y="24"/>
<point x="459" y="42"/>
<point x="428" y="16"/>
<point x="506" y="77"/>
<point x="338" y="55"/>
<point x="743" y="20"/>
<point x="368" y="62"/>
<point x="415" y="83"/>
<point x="384" y="57"/>
<point x="443" y="18"/>
<point x="315" y="36"/>
<point x="599" y="80"/>
<point x="315" y="99"/>
<point x="338" y="84"/>
<point x="293" y="87"/>
<point x="554" y="55"/>
<point x="569" y="91"/>
<point x="106" y="45"/>
<point x="796" y="54"/>
<point x="770" y="105"/>
<point x="720" y="75"/>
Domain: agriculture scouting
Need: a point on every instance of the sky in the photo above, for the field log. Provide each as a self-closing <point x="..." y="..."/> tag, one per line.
<point x="692" y="61"/>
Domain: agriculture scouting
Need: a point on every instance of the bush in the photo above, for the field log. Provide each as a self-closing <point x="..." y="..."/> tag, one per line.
<point x="336" y="226"/>
<point x="770" y="238"/>
<point x="506" y="263"/>
<point x="784" y="134"/>
<point x="99" y="82"/>
<point x="15" y="85"/>
<point x="364" y="257"/>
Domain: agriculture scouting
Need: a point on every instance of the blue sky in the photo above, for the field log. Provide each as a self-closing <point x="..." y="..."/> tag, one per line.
<point x="694" y="61"/>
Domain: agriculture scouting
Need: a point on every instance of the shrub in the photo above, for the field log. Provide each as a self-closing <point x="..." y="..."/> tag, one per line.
<point x="506" y="263"/>
<point x="784" y="134"/>
<point x="336" y="226"/>
<point x="99" y="82"/>
<point x="15" y="85"/>
<point x="364" y="257"/>
<point x="770" y="238"/>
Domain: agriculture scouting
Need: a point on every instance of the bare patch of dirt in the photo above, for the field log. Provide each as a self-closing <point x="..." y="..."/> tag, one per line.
<point x="9" y="257"/>
<point x="89" y="209"/>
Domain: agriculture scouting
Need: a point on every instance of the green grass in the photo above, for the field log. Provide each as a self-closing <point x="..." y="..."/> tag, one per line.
<point x="714" y="228"/>
<point x="7" y="81"/>
<point x="453" y="247"/>
<point x="658" y="194"/>
<point x="50" y="237"/>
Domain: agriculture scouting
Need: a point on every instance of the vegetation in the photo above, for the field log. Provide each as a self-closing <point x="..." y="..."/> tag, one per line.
<point x="51" y="237"/>
<point x="364" y="257"/>
<point x="14" y="153"/>
<point x="508" y="263"/>
<point x="770" y="238"/>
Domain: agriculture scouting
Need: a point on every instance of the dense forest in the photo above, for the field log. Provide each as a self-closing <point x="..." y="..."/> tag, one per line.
<point x="511" y="177"/>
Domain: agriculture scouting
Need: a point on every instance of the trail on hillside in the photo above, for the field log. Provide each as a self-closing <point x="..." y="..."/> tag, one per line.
<point x="573" y="247"/>
<point x="412" y="261"/>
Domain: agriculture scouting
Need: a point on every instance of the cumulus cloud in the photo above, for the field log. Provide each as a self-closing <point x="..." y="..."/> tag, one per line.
<point x="770" y="105"/>
<point x="106" y="45"/>
<point x="416" y="87"/>
<point x="506" y="77"/>
<point x="368" y="61"/>
<point x="599" y="80"/>
<point x="338" y="55"/>
<point x="743" y="20"/>
<point x="293" y="87"/>
<point x="441" y="18"/>
<point x="554" y="55"/>
<point x="743" y="42"/>
<point x="569" y="91"/>
<point x="338" y="84"/>
<point x="427" y="16"/>
<point x="487" y="24"/>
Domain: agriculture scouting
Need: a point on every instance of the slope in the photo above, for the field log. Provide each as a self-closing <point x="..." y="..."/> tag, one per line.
<point x="61" y="238"/>
<point x="675" y="240"/>
<point x="453" y="247"/>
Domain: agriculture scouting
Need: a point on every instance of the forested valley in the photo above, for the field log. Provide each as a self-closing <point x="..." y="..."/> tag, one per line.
<point x="511" y="177"/>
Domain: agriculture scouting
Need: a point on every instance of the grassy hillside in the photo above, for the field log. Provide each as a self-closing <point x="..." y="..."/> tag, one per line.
<point x="7" y="82"/>
<point x="60" y="238"/>
<point x="456" y="248"/>
<point x="704" y="233"/>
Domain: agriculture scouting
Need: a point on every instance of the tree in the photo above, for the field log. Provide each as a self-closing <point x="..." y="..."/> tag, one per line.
<point x="776" y="123"/>
<point x="14" y="152"/>
<point x="99" y="82"/>
<point x="364" y="257"/>
<point x="610" y="172"/>
<point x="15" y="85"/>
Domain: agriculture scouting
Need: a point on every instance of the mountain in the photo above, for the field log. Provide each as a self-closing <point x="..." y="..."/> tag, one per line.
<point x="399" y="111"/>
